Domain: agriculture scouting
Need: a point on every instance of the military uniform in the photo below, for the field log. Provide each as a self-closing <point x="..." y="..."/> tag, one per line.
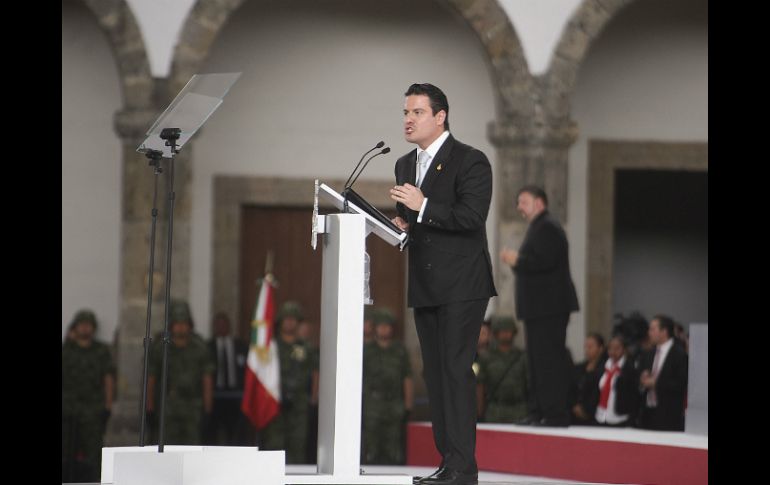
<point x="384" y="371"/>
<point x="83" y="405"/>
<point x="289" y="430"/>
<point x="504" y="375"/>
<point x="184" y="396"/>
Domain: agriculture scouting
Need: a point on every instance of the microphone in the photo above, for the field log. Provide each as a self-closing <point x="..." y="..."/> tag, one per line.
<point x="381" y="152"/>
<point x="379" y="145"/>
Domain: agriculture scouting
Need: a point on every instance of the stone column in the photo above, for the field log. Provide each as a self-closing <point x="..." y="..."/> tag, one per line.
<point x="137" y="197"/>
<point x="529" y="151"/>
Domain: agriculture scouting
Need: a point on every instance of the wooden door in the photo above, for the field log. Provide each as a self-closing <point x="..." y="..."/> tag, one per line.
<point x="286" y="232"/>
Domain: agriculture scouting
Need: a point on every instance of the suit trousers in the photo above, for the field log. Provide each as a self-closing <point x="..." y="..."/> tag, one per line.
<point x="448" y="337"/>
<point x="658" y="419"/>
<point x="549" y="367"/>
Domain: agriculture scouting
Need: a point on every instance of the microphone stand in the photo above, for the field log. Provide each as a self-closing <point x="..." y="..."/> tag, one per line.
<point x="171" y="135"/>
<point x="346" y="192"/>
<point x="154" y="156"/>
<point x="345" y="200"/>
<point x="381" y="152"/>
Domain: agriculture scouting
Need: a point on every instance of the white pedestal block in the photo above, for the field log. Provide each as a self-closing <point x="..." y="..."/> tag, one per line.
<point x="192" y="465"/>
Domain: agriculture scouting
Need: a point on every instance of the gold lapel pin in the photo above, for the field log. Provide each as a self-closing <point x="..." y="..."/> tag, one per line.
<point x="439" y="167"/>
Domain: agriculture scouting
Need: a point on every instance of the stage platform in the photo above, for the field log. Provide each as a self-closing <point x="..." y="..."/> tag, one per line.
<point x="485" y="478"/>
<point x="579" y="453"/>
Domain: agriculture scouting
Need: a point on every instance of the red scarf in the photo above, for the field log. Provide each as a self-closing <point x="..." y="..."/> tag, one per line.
<point x="604" y="397"/>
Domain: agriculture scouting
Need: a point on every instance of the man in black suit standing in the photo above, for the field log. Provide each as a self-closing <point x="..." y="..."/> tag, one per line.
<point x="227" y="423"/>
<point x="664" y="379"/>
<point x="545" y="296"/>
<point x="443" y="193"/>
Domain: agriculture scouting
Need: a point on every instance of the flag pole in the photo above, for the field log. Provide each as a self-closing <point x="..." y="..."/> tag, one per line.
<point x="262" y="393"/>
<point x="269" y="260"/>
<point x="269" y="276"/>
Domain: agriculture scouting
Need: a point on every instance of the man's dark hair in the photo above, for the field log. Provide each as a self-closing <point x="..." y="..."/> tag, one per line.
<point x="535" y="192"/>
<point x="436" y="96"/>
<point x="666" y="323"/>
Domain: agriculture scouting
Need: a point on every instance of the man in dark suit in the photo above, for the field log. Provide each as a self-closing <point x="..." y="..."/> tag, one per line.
<point x="443" y="193"/>
<point x="544" y="297"/>
<point x="227" y="426"/>
<point x="664" y="379"/>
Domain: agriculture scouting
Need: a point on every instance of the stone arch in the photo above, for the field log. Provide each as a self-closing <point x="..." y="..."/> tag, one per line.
<point x="511" y="78"/>
<point x="581" y="30"/>
<point x="119" y="24"/>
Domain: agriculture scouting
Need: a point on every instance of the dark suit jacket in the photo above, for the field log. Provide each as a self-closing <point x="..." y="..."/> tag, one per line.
<point x="448" y="255"/>
<point x="670" y="388"/>
<point x="627" y="390"/>
<point x="241" y="349"/>
<point x="585" y="388"/>
<point x="543" y="282"/>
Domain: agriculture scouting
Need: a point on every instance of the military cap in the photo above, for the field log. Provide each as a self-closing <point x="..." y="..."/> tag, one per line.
<point x="383" y="315"/>
<point x="290" y="309"/>
<point x="179" y="311"/>
<point x="83" y="315"/>
<point x="504" y="323"/>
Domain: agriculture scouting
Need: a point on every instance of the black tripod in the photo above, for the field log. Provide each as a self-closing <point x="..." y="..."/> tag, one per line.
<point x="171" y="135"/>
<point x="154" y="156"/>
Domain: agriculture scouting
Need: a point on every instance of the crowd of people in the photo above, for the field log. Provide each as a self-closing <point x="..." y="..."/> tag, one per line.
<point x="632" y="380"/>
<point x="637" y="378"/>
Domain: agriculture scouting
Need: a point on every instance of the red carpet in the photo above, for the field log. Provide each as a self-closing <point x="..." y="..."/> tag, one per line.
<point x="590" y="454"/>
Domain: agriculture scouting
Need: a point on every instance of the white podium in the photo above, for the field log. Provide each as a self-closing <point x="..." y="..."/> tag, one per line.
<point x="342" y="316"/>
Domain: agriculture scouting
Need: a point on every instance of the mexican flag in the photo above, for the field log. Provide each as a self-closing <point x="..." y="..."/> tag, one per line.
<point x="262" y="383"/>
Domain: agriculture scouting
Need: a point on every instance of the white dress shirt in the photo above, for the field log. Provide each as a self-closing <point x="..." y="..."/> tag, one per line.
<point x="226" y="353"/>
<point x="432" y="150"/>
<point x="652" y="400"/>
<point x="608" y="415"/>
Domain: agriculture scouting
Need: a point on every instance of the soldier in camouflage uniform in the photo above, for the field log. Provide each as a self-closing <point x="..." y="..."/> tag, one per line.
<point x="189" y="398"/>
<point x="502" y="379"/>
<point x="88" y="382"/>
<point x="299" y="370"/>
<point x="387" y="394"/>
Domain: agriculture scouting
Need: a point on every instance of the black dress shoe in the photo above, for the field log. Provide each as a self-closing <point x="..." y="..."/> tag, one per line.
<point x="452" y="477"/>
<point x="438" y="472"/>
